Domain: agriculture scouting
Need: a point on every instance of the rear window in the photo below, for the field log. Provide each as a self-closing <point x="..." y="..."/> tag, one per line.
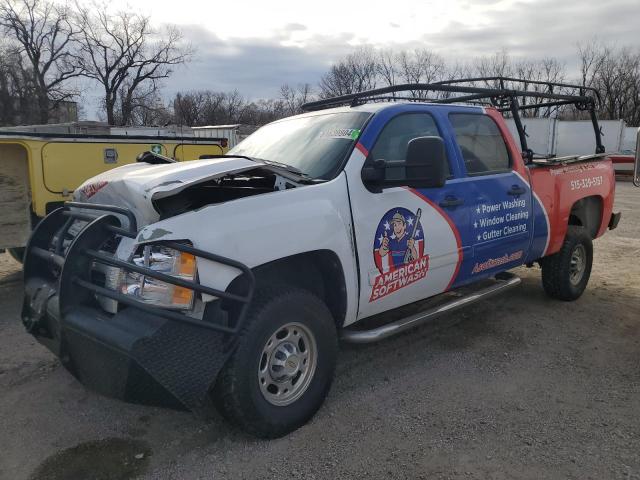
<point x="483" y="148"/>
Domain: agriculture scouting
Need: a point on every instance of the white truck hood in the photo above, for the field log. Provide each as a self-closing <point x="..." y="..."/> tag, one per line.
<point x="136" y="185"/>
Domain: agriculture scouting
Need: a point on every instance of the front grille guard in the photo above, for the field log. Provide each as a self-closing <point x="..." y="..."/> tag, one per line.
<point x="72" y="266"/>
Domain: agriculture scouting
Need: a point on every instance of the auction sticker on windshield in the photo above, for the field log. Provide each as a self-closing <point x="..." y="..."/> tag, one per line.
<point x="348" y="133"/>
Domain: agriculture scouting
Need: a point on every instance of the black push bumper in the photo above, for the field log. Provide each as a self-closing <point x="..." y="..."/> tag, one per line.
<point x="141" y="354"/>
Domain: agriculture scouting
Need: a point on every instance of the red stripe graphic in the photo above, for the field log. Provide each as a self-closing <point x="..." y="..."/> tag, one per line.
<point x="363" y="150"/>
<point x="453" y="227"/>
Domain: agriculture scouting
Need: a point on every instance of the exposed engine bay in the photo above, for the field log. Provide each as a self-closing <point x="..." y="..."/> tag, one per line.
<point x="223" y="189"/>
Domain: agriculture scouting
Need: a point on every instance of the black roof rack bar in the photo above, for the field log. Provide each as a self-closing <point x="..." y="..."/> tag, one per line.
<point x="484" y="92"/>
<point x="409" y="99"/>
<point x="361" y="97"/>
<point x="464" y="98"/>
<point x="459" y="99"/>
<point x="470" y="98"/>
<point x="531" y="106"/>
<point x="504" y="99"/>
<point x="596" y="130"/>
<point x="581" y="88"/>
<point x="527" y="153"/>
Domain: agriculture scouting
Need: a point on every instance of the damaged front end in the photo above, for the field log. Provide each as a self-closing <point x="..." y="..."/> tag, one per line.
<point x="135" y="350"/>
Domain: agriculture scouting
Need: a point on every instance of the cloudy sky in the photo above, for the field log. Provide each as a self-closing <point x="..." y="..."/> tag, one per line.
<point x="256" y="46"/>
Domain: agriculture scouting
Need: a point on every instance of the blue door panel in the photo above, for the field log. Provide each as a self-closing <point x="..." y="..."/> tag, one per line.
<point x="500" y="222"/>
<point x="493" y="227"/>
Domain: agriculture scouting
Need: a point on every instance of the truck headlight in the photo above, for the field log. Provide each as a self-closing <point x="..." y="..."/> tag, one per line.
<point x="155" y="292"/>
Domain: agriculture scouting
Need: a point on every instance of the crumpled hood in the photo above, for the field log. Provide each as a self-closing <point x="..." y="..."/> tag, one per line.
<point x="136" y="185"/>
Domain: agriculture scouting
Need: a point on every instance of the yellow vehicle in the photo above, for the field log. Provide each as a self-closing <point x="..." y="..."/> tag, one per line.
<point x="39" y="171"/>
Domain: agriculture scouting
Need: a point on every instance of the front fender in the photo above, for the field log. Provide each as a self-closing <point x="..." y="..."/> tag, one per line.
<point x="260" y="229"/>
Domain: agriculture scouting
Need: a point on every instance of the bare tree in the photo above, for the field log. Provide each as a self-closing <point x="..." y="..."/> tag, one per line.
<point x="233" y="104"/>
<point x="45" y="34"/>
<point x="209" y="108"/>
<point x="126" y="56"/>
<point x="355" y="73"/>
<point x="590" y="57"/>
<point x="263" y="111"/>
<point x="499" y="64"/>
<point x="421" y="66"/>
<point x="17" y="90"/>
<point x="615" y="73"/>
<point x="145" y="107"/>
<point x="387" y="67"/>
<point x="294" y="97"/>
<point x="188" y="108"/>
<point x="618" y="80"/>
<point x="219" y="108"/>
<point x="530" y="71"/>
<point x="544" y="70"/>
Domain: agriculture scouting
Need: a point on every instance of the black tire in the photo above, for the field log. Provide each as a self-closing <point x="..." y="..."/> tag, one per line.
<point x="17" y="253"/>
<point x="238" y="394"/>
<point x="559" y="278"/>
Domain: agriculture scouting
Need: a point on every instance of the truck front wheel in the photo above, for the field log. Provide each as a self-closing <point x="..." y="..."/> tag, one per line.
<point x="282" y="368"/>
<point x="565" y="274"/>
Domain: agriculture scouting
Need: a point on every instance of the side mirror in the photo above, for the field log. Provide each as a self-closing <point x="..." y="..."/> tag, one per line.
<point x="426" y="164"/>
<point x="374" y="173"/>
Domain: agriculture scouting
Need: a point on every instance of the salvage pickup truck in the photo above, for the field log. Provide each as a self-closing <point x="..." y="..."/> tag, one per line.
<point x="229" y="281"/>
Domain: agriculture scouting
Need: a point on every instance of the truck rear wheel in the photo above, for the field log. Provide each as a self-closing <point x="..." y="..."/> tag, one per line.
<point x="282" y="368"/>
<point x="565" y="274"/>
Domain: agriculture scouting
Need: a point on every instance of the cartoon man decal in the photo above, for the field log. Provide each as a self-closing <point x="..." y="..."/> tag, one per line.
<point x="399" y="239"/>
<point x="400" y="245"/>
<point x="398" y="252"/>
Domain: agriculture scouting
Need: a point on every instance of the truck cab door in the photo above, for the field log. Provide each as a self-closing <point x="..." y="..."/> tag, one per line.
<point x="499" y="198"/>
<point x="408" y="245"/>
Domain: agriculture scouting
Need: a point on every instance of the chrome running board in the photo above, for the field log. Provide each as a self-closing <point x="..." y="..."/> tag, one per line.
<point x="503" y="282"/>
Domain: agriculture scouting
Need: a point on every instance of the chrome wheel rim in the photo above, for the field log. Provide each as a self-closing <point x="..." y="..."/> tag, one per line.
<point x="578" y="264"/>
<point x="287" y="364"/>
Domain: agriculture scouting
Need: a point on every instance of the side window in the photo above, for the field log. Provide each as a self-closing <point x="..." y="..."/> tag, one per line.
<point x="481" y="143"/>
<point x="395" y="137"/>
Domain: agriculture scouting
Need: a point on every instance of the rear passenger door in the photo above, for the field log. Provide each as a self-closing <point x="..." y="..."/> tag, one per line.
<point x="499" y="199"/>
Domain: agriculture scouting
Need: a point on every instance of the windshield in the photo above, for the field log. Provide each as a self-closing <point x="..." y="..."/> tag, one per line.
<point x="315" y="145"/>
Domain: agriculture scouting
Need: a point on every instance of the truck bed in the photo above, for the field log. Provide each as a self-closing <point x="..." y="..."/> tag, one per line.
<point x="578" y="192"/>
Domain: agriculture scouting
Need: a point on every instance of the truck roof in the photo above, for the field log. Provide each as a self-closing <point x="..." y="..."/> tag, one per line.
<point x="374" y="107"/>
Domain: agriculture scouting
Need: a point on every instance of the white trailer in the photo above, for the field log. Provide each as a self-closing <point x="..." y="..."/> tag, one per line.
<point x="550" y="136"/>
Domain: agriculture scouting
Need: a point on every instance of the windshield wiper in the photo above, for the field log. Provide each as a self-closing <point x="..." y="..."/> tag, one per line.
<point x="292" y="169"/>
<point x="283" y="166"/>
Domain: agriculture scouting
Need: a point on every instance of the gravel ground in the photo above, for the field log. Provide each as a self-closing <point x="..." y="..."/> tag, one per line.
<point x="519" y="387"/>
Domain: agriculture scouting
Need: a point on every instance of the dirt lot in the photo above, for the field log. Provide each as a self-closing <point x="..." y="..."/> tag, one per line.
<point x="518" y="387"/>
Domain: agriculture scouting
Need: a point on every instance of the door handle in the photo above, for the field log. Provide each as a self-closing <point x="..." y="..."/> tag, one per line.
<point x="451" y="201"/>
<point x="516" y="190"/>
